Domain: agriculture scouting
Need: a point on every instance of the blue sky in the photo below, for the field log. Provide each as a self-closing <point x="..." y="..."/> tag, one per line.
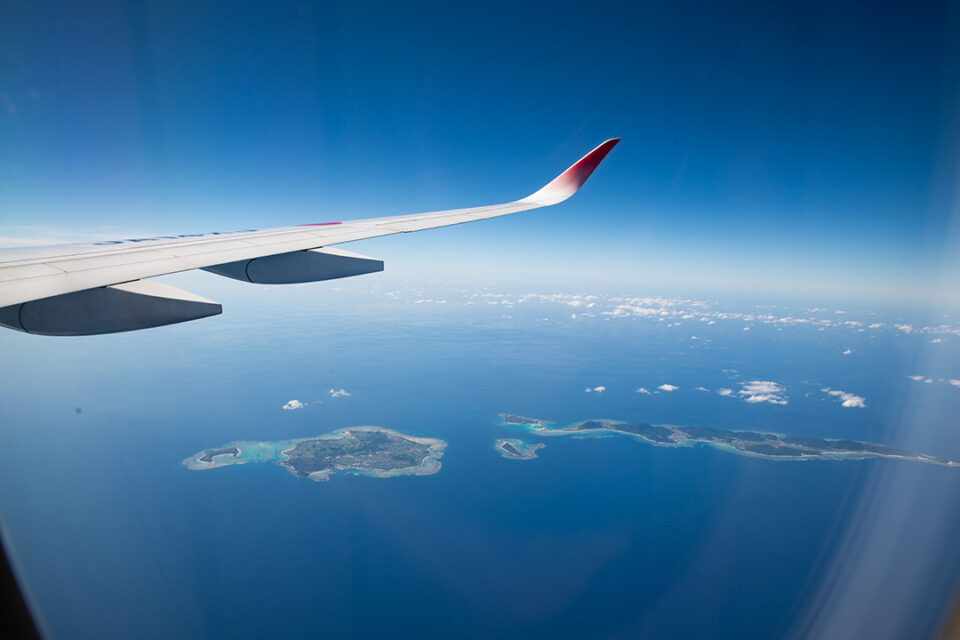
<point x="775" y="147"/>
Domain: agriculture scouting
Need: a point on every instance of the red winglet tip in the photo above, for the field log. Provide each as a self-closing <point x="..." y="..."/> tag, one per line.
<point x="568" y="182"/>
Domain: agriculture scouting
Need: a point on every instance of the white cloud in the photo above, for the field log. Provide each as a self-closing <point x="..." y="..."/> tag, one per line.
<point x="848" y="352"/>
<point x="702" y="389"/>
<point x="643" y="390"/>
<point x="848" y="400"/>
<point x="293" y="405"/>
<point x="954" y="382"/>
<point x="725" y="392"/>
<point x="757" y="391"/>
<point x="339" y="393"/>
<point x="920" y="379"/>
<point x="668" y="387"/>
<point x="599" y="389"/>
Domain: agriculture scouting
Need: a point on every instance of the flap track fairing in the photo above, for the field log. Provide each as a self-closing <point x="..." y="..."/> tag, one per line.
<point x="313" y="265"/>
<point x="140" y="304"/>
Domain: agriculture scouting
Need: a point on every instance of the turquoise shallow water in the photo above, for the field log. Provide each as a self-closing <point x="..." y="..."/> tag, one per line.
<point x="606" y="536"/>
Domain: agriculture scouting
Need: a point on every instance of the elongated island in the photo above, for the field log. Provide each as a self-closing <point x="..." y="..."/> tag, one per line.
<point x="774" y="446"/>
<point x="362" y="451"/>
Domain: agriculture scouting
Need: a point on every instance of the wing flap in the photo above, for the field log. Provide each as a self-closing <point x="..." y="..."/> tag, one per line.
<point x="28" y="271"/>
<point x="198" y="250"/>
<point x="75" y="265"/>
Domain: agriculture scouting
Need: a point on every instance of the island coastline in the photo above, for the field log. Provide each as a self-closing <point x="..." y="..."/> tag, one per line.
<point x="364" y="451"/>
<point x="517" y="449"/>
<point x="769" y="446"/>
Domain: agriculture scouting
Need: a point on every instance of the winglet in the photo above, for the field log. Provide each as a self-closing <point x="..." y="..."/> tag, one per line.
<point x="568" y="182"/>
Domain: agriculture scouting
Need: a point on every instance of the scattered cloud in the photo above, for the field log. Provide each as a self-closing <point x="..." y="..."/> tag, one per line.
<point x="674" y="312"/>
<point x="668" y="387"/>
<point x="936" y="340"/>
<point x="725" y="392"/>
<point x="848" y="400"/>
<point x="847" y="351"/>
<point x="702" y="389"/>
<point x="599" y="389"/>
<point x="339" y="393"/>
<point x="757" y="391"/>
<point x="920" y="379"/>
<point x="293" y="405"/>
<point x="643" y="390"/>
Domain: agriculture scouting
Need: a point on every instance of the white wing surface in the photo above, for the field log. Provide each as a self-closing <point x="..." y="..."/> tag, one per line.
<point x="101" y="288"/>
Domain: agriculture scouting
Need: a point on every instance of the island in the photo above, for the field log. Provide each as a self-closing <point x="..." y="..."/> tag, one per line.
<point x="364" y="451"/>
<point x="516" y="449"/>
<point x="509" y="418"/>
<point x="210" y="454"/>
<point x="773" y="446"/>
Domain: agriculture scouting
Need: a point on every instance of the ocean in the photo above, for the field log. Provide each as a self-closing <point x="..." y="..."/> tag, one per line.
<point x="598" y="537"/>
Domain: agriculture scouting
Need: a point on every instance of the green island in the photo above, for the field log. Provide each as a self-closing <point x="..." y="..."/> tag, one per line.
<point x="516" y="449"/>
<point x="364" y="451"/>
<point x="773" y="446"/>
<point x="509" y="418"/>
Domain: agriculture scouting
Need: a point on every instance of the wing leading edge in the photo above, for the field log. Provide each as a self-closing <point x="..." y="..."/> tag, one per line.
<point x="59" y="290"/>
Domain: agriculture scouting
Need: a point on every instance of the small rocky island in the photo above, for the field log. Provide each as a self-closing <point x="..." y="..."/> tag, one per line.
<point x="765" y="445"/>
<point x="365" y="451"/>
<point x="210" y="454"/>
<point x="516" y="449"/>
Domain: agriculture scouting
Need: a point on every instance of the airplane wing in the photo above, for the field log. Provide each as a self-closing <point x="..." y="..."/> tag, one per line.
<point x="102" y="287"/>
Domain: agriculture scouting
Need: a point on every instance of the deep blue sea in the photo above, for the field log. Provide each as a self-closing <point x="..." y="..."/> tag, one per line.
<point x="604" y="537"/>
